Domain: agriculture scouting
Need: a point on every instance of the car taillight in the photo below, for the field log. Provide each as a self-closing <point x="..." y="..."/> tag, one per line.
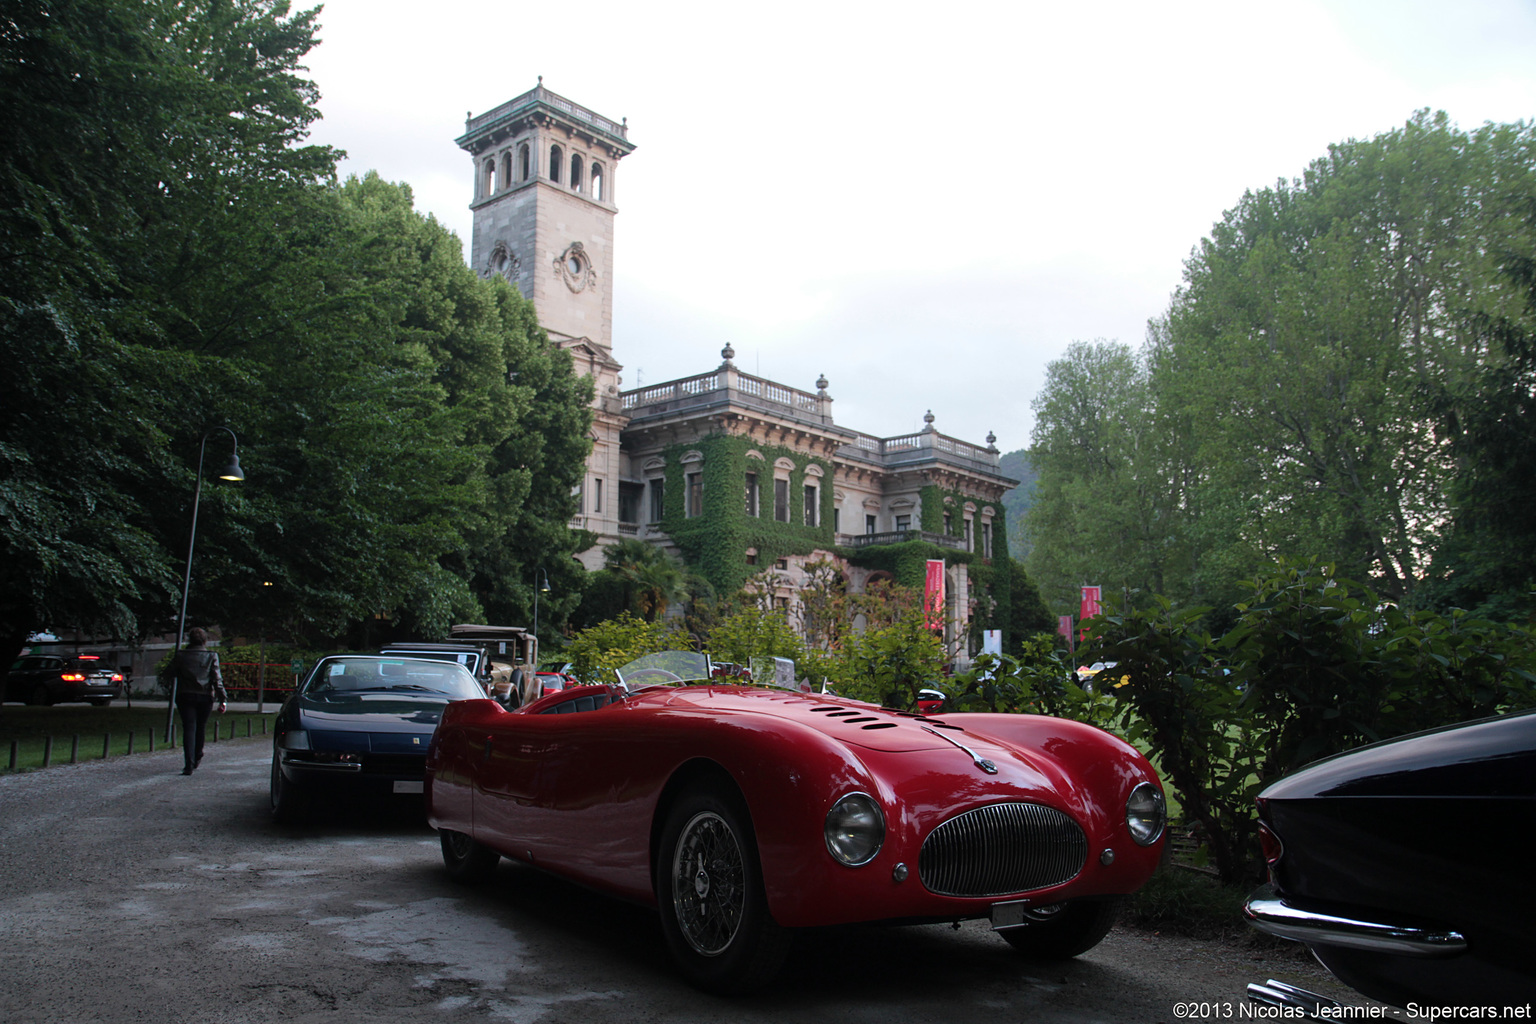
<point x="1270" y="844"/>
<point x="117" y="677"/>
<point x="73" y="677"/>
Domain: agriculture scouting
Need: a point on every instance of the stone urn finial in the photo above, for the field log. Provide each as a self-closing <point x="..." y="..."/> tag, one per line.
<point x="821" y="384"/>
<point x="928" y="420"/>
<point x="728" y="353"/>
<point x="991" y="441"/>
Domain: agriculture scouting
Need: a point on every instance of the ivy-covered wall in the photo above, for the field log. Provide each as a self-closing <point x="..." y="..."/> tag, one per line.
<point x="715" y="542"/>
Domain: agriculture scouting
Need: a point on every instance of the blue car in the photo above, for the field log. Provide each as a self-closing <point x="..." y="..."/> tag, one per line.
<point x="359" y="726"/>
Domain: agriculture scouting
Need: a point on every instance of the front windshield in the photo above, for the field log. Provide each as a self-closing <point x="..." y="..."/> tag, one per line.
<point x="664" y="667"/>
<point x="392" y="675"/>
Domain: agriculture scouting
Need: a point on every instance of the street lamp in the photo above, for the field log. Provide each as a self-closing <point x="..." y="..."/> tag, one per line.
<point x="537" y="589"/>
<point x="230" y="472"/>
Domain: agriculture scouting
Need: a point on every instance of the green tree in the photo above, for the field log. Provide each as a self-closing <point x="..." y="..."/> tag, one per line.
<point x="180" y="262"/>
<point x="1489" y="560"/>
<point x="1104" y="497"/>
<point x="118" y="122"/>
<point x="1295" y="363"/>
<point x="599" y="649"/>
<point x="754" y="633"/>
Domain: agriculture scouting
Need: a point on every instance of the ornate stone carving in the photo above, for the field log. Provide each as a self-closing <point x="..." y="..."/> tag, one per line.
<point x="575" y="268"/>
<point x="503" y="263"/>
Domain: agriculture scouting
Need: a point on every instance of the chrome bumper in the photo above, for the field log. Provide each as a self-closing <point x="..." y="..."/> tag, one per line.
<point x="1266" y="911"/>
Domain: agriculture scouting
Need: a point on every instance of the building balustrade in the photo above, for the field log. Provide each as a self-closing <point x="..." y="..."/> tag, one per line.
<point x="560" y="103"/>
<point x="869" y="540"/>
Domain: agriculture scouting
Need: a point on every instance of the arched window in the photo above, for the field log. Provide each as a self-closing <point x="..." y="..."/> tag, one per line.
<point x="504" y="179"/>
<point x="488" y="177"/>
<point x="556" y="158"/>
<point x="596" y="175"/>
<point x="575" y="172"/>
<point x="523" y="168"/>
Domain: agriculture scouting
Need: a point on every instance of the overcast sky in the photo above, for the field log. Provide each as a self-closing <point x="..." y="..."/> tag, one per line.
<point x="926" y="202"/>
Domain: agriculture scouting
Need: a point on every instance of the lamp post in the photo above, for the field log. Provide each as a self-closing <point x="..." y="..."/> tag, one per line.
<point x="230" y="472"/>
<point x="537" y="589"/>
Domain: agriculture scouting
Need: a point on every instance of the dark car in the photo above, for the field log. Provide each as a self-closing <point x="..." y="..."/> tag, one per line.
<point x="359" y="726"/>
<point x="55" y="679"/>
<point x="1403" y="865"/>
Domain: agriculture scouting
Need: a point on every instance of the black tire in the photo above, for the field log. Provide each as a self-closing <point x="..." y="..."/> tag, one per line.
<point x="709" y="890"/>
<point x="40" y="696"/>
<point x="290" y="805"/>
<point x="467" y="859"/>
<point x="1063" y="930"/>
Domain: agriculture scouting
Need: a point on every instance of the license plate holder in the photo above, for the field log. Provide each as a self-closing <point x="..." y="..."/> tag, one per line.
<point x="1009" y="915"/>
<point x="405" y="786"/>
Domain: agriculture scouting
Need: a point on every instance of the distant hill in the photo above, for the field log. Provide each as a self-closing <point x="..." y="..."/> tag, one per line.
<point x="1016" y="464"/>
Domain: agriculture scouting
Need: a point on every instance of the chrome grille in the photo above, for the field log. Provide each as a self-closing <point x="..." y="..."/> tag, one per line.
<point x="1002" y="849"/>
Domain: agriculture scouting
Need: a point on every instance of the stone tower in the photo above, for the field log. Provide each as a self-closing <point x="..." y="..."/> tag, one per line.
<point x="543" y="219"/>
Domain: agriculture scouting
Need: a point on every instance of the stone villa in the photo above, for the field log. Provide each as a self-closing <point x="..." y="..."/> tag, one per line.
<point x="735" y="474"/>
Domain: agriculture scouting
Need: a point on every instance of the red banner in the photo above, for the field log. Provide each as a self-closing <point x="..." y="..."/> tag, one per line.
<point x="1089" y="609"/>
<point x="933" y="595"/>
<point x="1064" y="625"/>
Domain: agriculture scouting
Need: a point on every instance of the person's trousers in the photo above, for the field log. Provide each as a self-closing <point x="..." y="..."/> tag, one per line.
<point x="194" y="709"/>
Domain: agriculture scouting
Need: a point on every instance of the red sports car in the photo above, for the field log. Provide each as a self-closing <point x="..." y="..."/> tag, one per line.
<point x="742" y="813"/>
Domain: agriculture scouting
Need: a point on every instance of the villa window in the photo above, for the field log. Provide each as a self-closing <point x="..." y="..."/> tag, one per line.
<point x="903" y="523"/>
<point x="752" y="495"/>
<point x="781" y="500"/>
<point x="986" y="540"/>
<point x="597" y="494"/>
<point x="596" y="175"/>
<point x="575" y="172"/>
<point x="870" y="524"/>
<point x="658" y="500"/>
<point x="556" y="158"/>
<point x="812" y="506"/>
<point x="694" y="494"/>
<point x="524" y="162"/>
<point x="968" y="545"/>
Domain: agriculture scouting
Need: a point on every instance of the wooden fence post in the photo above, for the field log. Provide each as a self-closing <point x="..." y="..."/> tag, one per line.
<point x="47" y="749"/>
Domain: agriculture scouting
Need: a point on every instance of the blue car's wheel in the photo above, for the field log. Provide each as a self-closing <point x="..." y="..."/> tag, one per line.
<point x="289" y="804"/>
<point x="709" y="889"/>
<point x="467" y="859"/>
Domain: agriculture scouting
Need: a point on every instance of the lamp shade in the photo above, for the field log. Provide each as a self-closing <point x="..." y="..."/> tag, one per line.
<point x="233" y="470"/>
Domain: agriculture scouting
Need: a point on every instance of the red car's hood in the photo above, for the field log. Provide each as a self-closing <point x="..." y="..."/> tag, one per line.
<point x="871" y="728"/>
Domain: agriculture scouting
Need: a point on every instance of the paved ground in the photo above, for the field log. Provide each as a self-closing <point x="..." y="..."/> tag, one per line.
<point x="128" y="892"/>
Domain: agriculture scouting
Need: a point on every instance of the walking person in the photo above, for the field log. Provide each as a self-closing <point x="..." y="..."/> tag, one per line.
<point x="195" y="670"/>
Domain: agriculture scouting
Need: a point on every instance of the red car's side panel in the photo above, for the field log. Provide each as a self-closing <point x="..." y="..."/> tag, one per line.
<point x="579" y="793"/>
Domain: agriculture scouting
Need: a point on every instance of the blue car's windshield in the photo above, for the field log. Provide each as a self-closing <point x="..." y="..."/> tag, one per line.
<point x="391" y="675"/>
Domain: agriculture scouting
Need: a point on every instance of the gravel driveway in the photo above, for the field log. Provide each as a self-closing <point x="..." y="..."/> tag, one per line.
<point x="129" y="892"/>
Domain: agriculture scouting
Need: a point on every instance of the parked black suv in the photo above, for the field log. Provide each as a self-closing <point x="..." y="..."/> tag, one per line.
<point x="52" y="678"/>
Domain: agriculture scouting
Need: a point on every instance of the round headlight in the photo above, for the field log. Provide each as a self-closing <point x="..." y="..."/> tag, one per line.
<point x="1146" y="812"/>
<point x="855" y="830"/>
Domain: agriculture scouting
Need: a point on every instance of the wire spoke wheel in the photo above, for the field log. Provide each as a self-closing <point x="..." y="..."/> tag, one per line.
<point x="709" y="893"/>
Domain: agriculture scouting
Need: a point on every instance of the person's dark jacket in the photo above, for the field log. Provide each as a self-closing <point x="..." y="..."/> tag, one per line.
<point x="196" y="671"/>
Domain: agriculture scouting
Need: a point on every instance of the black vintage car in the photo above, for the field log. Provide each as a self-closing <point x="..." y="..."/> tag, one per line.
<point x="56" y="678"/>
<point x="1405" y="865"/>
<point x="359" y="726"/>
